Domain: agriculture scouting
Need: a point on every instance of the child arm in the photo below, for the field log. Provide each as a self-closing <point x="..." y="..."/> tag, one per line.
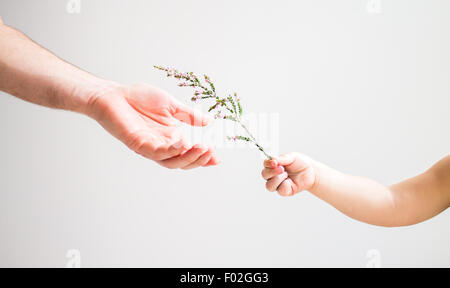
<point x="408" y="202"/>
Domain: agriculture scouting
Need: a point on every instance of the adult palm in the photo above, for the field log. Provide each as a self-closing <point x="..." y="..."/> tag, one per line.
<point x="144" y="118"/>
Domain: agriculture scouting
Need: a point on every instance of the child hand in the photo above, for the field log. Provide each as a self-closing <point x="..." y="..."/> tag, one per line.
<point x="289" y="174"/>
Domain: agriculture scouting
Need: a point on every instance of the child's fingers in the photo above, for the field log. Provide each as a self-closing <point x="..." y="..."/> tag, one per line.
<point x="273" y="183"/>
<point x="285" y="188"/>
<point x="268" y="173"/>
<point x="270" y="163"/>
<point x="286" y="159"/>
<point x="282" y="160"/>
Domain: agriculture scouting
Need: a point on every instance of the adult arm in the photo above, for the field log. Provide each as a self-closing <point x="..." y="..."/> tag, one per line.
<point x="141" y="116"/>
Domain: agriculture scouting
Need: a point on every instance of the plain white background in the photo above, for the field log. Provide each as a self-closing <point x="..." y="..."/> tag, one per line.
<point x="366" y="93"/>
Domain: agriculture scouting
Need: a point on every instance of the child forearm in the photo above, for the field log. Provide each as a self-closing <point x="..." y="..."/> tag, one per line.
<point x="406" y="203"/>
<point x="357" y="197"/>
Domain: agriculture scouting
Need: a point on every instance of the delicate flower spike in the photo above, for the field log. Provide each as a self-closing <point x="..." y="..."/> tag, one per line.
<point x="231" y="106"/>
<point x="219" y="115"/>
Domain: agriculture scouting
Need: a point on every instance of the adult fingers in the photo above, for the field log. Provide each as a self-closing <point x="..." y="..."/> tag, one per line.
<point x="184" y="159"/>
<point x="201" y="161"/>
<point x="149" y="146"/>
<point x="162" y="151"/>
<point x="213" y="161"/>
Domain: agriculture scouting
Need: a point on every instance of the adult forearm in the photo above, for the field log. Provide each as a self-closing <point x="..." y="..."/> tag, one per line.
<point x="34" y="74"/>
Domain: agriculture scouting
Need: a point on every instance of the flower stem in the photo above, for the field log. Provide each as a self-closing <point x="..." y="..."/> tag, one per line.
<point x="234" y="112"/>
<point x="254" y="140"/>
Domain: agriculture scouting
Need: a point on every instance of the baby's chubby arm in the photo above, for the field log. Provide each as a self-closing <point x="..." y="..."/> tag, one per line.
<point x="408" y="202"/>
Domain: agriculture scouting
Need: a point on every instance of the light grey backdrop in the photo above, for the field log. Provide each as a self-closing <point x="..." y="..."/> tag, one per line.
<point x="367" y="93"/>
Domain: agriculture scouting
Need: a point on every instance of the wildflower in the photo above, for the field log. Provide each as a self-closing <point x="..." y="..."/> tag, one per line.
<point x="231" y="106"/>
<point x="219" y="115"/>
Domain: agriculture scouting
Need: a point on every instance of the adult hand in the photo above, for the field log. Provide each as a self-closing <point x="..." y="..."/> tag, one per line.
<point x="145" y="119"/>
<point x="141" y="116"/>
